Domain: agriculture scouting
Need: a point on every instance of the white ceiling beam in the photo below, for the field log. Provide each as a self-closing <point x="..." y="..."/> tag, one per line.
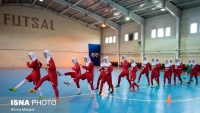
<point x="71" y="6"/>
<point x="89" y="13"/>
<point x="170" y="7"/>
<point x="125" y="11"/>
<point x="50" y="3"/>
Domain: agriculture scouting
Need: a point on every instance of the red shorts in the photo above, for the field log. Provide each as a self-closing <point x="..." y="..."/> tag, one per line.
<point x="33" y="78"/>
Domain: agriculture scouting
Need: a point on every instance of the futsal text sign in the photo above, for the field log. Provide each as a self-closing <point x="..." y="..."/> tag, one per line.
<point x="26" y="21"/>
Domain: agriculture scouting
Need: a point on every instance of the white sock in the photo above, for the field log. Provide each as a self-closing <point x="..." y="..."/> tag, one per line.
<point x="79" y="90"/>
<point x="71" y="81"/>
<point x="21" y="84"/>
<point x="40" y="90"/>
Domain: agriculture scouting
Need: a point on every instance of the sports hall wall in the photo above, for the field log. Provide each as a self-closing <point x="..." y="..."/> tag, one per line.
<point x="63" y="37"/>
<point x="165" y="45"/>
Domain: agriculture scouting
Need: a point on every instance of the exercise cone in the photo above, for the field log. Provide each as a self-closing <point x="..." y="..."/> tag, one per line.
<point x="169" y="100"/>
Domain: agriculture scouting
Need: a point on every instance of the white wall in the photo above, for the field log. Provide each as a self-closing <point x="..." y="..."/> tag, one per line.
<point x="163" y="48"/>
<point x="68" y="36"/>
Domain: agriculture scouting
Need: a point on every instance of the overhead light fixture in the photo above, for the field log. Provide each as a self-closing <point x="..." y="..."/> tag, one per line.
<point x="163" y="9"/>
<point x="117" y="13"/>
<point x="41" y="0"/>
<point x="103" y="25"/>
<point x="127" y="18"/>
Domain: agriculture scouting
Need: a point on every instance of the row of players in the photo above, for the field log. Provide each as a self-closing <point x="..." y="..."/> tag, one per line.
<point x="105" y="73"/>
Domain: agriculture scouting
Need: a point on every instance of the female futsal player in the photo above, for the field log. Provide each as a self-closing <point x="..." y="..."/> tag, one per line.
<point x="172" y="66"/>
<point x="189" y="68"/>
<point x="133" y="71"/>
<point x="76" y="72"/>
<point x="145" y="70"/>
<point x="167" y="72"/>
<point x="106" y="70"/>
<point x="177" y="71"/>
<point x="101" y="74"/>
<point x="89" y="75"/>
<point x="158" y="64"/>
<point x="124" y="73"/>
<point x="194" y="71"/>
<point x="34" y="76"/>
<point x="51" y="76"/>
<point x="154" y="73"/>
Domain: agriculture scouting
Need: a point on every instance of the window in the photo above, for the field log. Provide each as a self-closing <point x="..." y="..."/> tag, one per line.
<point x="153" y="33"/>
<point x="126" y="37"/>
<point x="106" y="40"/>
<point x="136" y="36"/>
<point x="160" y="32"/>
<point x="110" y="39"/>
<point x="114" y="39"/>
<point x="193" y="28"/>
<point x="167" y="31"/>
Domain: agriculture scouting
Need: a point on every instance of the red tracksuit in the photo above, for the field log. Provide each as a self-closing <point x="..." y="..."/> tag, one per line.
<point x="99" y="78"/>
<point x="75" y="74"/>
<point x="106" y="77"/>
<point x="124" y="72"/>
<point x="51" y="76"/>
<point x="158" y="67"/>
<point x="167" y="74"/>
<point x="172" y="67"/>
<point x="35" y="74"/>
<point x="145" y="70"/>
<point x="133" y="76"/>
<point x="89" y="75"/>
<point x="177" y="73"/>
<point x="194" y="73"/>
<point x="154" y="73"/>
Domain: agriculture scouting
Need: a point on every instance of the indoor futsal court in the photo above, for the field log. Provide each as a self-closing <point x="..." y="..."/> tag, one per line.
<point x="99" y="56"/>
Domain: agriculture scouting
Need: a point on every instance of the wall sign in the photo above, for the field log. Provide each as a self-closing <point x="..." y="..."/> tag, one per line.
<point x="26" y="21"/>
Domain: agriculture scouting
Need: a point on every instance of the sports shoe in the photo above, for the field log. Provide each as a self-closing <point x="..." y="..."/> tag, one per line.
<point x="58" y="73"/>
<point x="184" y="78"/>
<point x="148" y="84"/>
<point x="13" y="89"/>
<point x="67" y="83"/>
<point x="152" y="87"/>
<point x="188" y="82"/>
<point x="96" y="88"/>
<point x="138" y="82"/>
<point x="111" y="92"/>
<point x="56" y="101"/>
<point x="100" y="93"/>
<point x="32" y="91"/>
<point x="117" y="86"/>
<point x="41" y="98"/>
<point x="78" y="93"/>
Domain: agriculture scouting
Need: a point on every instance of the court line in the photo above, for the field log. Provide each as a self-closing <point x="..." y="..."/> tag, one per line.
<point x="124" y="98"/>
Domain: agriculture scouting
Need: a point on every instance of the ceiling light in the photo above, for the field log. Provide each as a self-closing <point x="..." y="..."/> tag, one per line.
<point x="127" y="18"/>
<point x="117" y="13"/>
<point x="103" y="25"/>
<point x="41" y="0"/>
<point x="163" y="9"/>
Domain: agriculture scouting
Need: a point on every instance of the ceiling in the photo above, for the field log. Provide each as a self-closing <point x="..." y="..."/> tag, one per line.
<point x="93" y="13"/>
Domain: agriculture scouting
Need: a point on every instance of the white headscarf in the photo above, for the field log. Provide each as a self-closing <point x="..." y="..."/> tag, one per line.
<point x="157" y="62"/>
<point x="133" y="63"/>
<point x="177" y="63"/>
<point x="107" y="63"/>
<point x="124" y="57"/>
<point x="48" y="55"/>
<point x="88" y="60"/>
<point x="75" y="60"/>
<point x="33" y="56"/>
<point x="103" y="62"/>
<point x="153" y="62"/>
<point x="180" y="60"/>
<point x="167" y="64"/>
<point x="194" y="62"/>
<point x="145" y="61"/>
